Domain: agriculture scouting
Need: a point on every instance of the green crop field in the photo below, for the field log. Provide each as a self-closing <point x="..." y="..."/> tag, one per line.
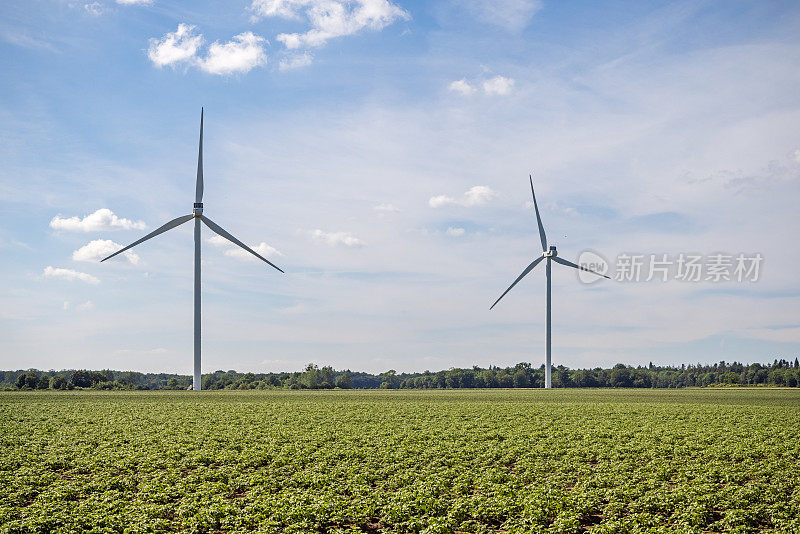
<point x="401" y="461"/>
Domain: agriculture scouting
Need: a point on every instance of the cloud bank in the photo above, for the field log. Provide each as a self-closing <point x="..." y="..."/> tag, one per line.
<point x="296" y="61"/>
<point x="96" y="250"/>
<point x="176" y="47"/>
<point x="69" y="274"/>
<point x="474" y="196"/>
<point x="239" y="253"/>
<point x="101" y="220"/>
<point x="333" y="239"/>
<point x="240" y="55"/>
<point x="497" y="86"/>
<point x="328" y="19"/>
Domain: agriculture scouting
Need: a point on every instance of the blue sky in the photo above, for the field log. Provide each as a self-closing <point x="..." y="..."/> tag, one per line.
<point x="379" y="152"/>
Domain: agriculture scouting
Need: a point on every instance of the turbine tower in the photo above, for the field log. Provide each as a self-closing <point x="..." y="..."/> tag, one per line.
<point x="552" y="255"/>
<point x="197" y="215"/>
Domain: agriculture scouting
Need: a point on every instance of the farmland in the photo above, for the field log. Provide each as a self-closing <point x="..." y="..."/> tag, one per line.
<point x="401" y="461"/>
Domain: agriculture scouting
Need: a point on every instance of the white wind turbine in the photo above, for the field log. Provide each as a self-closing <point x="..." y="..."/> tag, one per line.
<point x="552" y="255"/>
<point x="197" y="215"/>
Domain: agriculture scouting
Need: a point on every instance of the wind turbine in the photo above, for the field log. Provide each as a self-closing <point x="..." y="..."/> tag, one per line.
<point x="552" y="255"/>
<point x="197" y="215"/>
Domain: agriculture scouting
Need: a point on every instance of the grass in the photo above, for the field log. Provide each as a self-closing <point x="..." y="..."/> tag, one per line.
<point x="401" y="461"/>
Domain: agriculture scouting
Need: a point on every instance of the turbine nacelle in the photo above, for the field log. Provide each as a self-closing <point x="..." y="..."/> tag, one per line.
<point x="551" y="252"/>
<point x="198" y="209"/>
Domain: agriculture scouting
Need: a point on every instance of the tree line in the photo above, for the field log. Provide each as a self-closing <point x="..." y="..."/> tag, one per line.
<point x="780" y="373"/>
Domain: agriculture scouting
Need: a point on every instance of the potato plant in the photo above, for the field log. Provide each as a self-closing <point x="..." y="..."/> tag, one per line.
<point x="605" y="461"/>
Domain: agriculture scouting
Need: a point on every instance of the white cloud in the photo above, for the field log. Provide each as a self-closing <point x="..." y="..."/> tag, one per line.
<point x="477" y="195"/>
<point x="462" y="86"/>
<point x="296" y="61"/>
<point x="513" y="15"/>
<point x="94" y="8"/>
<point x="176" y="47"/>
<point x="455" y="231"/>
<point x="286" y="9"/>
<point x="241" y="254"/>
<point x="262" y="248"/>
<point x="386" y="208"/>
<point x="69" y="274"/>
<point x="96" y="250"/>
<point x="336" y="238"/>
<point x="218" y="241"/>
<point x="797" y="156"/>
<point x="499" y="85"/>
<point x="474" y="196"/>
<point x="441" y="200"/>
<point x="290" y="40"/>
<point x="241" y="54"/>
<point x="328" y="18"/>
<point x="101" y="220"/>
<point x="86" y="306"/>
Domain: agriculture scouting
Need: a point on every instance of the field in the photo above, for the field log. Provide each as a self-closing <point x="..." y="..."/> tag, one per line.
<point x="401" y="461"/>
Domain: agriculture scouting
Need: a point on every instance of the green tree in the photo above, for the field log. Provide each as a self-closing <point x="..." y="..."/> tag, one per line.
<point x="388" y="379"/>
<point x="620" y="376"/>
<point x="562" y="378"/>
<point x="521" y="378"/>
<point x="505" y="379"/>
<point x="43" y="382"/>
<point x="453" y="379"/>
<point x="58" y="382"/>
<point x="344" y="381"/>
<point x="96" y="377"/>
<point x="81" y="379"/>
<point x="326" y="377"/>
<point x="732" y="378"/>
<point x="28" y="380"/>
<point x="489" y="377"/>
<point x="478" y="382"/>
<point x="311" y="378"/>
<point x="129" y="378"/>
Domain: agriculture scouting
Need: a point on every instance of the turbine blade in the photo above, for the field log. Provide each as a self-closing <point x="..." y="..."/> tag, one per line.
<point x="198" y="193"/>
<point x="219" y="230"/>
<point x="528" y="269"/>
<point x="169" y="226"/>
<point x="574" y="266"/>
<point x="538" y="218"/>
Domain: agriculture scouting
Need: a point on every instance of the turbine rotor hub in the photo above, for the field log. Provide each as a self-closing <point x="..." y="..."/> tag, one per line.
<point x="551" y="252"/>
<point x="198" y="209"/>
